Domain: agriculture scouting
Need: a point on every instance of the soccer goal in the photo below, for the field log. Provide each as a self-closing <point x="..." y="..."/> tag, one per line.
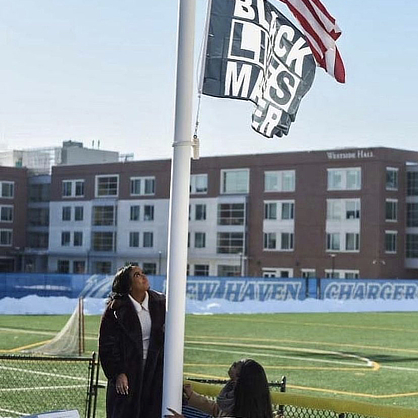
<point x="70" y="340"/>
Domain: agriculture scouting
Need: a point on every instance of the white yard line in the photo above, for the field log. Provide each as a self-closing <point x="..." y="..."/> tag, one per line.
<point x="29" y="331"/>
<point x="366" y="363"/>
<point x="43" y="373"/>
<point x="42" y="388"/>
<point x="12" y="412"/>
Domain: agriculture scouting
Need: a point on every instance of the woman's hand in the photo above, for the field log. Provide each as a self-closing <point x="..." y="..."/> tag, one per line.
<point x="122" y="387"/>
<point x="187" y="390"/>
<point x="175" y="414"/>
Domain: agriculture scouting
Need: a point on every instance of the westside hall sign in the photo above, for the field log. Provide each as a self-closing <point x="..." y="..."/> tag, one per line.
<point x="347" y="155"/>
<point x="254" y="53"/>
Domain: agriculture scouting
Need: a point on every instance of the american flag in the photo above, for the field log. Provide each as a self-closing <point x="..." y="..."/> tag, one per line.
<point x="321" y="32"/>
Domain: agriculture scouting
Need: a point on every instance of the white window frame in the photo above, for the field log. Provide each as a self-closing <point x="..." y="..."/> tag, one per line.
<point x="279" y="241"/>
<point x="1" y="214"/>
<point x="225" y="172"/>
<point x="195" y="186"/>
<point x="394" y="234"/>
<point x="396" y="171"/>
<point x="395" y="201"/>
<point x="356" y="242"/>
<point x="10" y="183"/>
<point x="305" y="273"/>
<point x="276" y="272"/>
<point x="142" y="189"/>
<point x="73" y="183"/>
<point x="133" y="208"/>
<point x="344" y="172"/>
<point x="148" y="217"/>
<point x="342" y="273"/>
<point x="9" y="233"/>
<point x="280" y="181"/>
<point x="96" y="187"/>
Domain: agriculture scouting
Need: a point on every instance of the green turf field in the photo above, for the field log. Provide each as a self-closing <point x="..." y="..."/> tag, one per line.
<point x="370" y="357"/>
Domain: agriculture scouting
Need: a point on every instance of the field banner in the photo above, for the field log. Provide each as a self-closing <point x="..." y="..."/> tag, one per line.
<point x="238" y="289"/>
<point x="254" y="53"/>
<point x="369" y="289"/>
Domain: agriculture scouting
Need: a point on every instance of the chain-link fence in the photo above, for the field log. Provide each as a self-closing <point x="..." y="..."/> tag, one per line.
<point x="32" y="384"/>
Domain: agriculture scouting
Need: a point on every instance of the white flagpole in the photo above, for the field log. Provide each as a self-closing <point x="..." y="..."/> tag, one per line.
<point x="179" y="211"/>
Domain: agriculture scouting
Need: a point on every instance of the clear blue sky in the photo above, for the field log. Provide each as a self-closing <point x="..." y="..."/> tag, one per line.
<point x="89" y="70"/>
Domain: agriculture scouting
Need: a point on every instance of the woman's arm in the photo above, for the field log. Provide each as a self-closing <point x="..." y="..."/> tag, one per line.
<point x="110" y="351"/>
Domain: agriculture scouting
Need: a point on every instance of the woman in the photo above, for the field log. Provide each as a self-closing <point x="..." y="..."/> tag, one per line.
<point x="246" y="395"/>
<point x="131" y="344"/>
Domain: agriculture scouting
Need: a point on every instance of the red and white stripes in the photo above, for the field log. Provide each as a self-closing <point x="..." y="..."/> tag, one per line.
<point x="321" y="31"/>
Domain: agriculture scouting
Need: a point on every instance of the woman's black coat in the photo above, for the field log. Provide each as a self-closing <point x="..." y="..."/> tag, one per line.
<point x="120" y="351"/>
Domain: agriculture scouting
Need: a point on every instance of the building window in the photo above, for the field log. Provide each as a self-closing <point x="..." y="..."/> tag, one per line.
<point x="73" y="188"/>
<point x="66" y="213"/>
<point x="199" y="183"/>
<point x="103" y="241"/>
<point x="277" y="272"/>
<point x="107" y="186"/>
<point x="286" y="241"/>
<point x="6" y="237"/>
<point x="343" y="209"/>
<point x="38" y="239"/>
<point x="148" y="240"/>
<point x="149" y="268"/>
<point x="78" y="213"/>
<point x="231" y="214"/>
<point x="308" y="273"/>
<point x="104" y="215"/>
<point x="65" y="239"/>
<point x="230" y="242"/>
<point x="391" y="241"/>
<point x="103" y="267"/>
<point x="201" y="270"/>
<point x="134" y="216"/>
<point x="391" y="210"/>
<point x="63" y="266"/>
<point x="78" y="239"/>
<point x="411" y="245"/>
<point x="199" y="240"/>
<point x="79" y="267"/>
<point x="148" y="212"/>
<point x="200" y="212"/>
<point x="270" y="210"/>
<point x="352" y="241"/>
<point x="235" y="181"/>
<point x="39" y="192"/>
<point x="7" y="189"/>
<point x="333" y="241"/>
<point x="270" y="241"/>
<point x="392" y="178"/>
<point x="288" y="209"/>
<point x="134" y="239"/>
<point x="412" y="214"/>
<point x="279" y="181"/>
<point x="344" y="178"/>
<point x="412" y="183"/>
<point x="229" y="271"/>
<point x="141" y="186"/>
<point x="6" y="213"/>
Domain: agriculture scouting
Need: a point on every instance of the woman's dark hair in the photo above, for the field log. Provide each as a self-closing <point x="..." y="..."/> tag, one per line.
<point x="122" y="283"/>
<point x="252" y="394"/>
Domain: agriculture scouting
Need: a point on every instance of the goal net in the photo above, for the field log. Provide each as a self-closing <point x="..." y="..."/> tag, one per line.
<point x="70" y="340"/>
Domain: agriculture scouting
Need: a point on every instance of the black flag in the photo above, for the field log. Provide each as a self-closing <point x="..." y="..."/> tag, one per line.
<point x="255" y="53"/>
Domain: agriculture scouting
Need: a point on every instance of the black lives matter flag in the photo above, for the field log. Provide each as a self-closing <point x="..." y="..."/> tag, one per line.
<point x="255" y="53"/>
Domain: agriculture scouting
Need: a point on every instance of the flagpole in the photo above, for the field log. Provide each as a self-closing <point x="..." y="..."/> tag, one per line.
<point x="179" y="211"/>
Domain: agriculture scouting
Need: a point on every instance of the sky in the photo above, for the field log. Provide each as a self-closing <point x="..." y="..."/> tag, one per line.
<point x="105" y="70"/>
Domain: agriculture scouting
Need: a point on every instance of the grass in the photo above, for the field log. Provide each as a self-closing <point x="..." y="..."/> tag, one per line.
<point x="370" y="357"/>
